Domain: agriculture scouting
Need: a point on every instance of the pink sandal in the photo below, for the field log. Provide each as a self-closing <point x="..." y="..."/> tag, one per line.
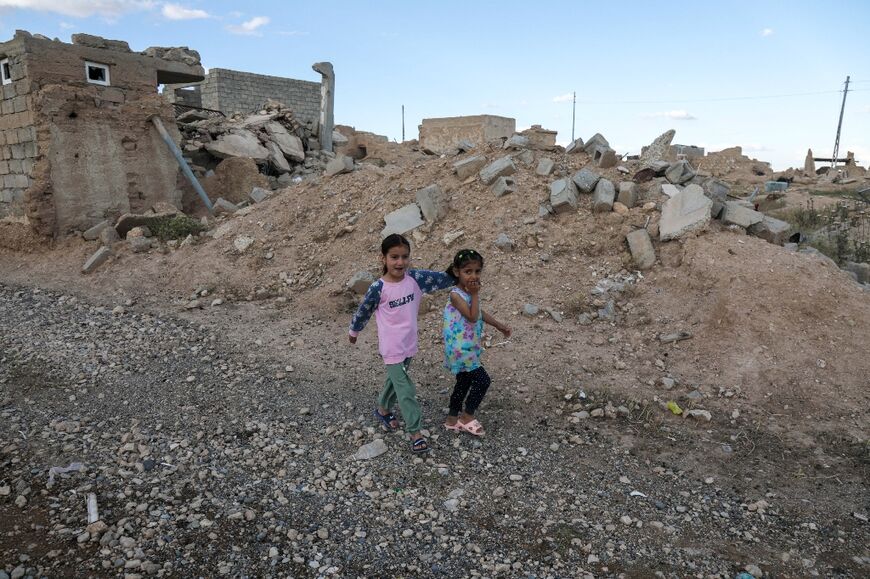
<point x="475" y="428"/>
<point x="453" y="427"/>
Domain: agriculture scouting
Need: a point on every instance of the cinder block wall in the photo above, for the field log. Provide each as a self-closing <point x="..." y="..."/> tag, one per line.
<point x="18" y="149"/>
<point x="231" y="91"/>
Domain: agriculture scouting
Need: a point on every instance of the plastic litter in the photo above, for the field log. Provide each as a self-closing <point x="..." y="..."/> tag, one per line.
<point x="56" y="470"/>
<point x="637" y="494"/>
<point x="674" y="407"/>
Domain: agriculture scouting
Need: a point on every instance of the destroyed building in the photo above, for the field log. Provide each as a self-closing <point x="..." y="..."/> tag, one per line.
<point x="76" y="136"/>
<point x="441" y="134"/>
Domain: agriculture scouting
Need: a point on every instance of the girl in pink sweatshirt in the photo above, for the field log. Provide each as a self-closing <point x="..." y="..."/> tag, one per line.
<point x="395" y="301"/>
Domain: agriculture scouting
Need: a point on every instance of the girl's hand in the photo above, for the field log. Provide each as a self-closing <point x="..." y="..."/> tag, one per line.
<point x="473" y="287"/>
<point x="352" y="339"/>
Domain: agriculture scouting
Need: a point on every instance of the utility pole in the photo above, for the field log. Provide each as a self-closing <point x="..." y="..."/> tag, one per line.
<point x="840" y="126"/>
<point x="573" y="115"/>
<point x="403" y="123"/>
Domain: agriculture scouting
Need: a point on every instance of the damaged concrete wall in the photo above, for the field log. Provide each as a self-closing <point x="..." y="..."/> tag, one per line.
<point x="83" y="152"/>
<point x="444" y="133"/>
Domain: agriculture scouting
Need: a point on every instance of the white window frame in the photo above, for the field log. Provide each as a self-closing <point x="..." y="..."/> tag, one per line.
<point x="3" y="64"/>
<point x="105" y="67"/>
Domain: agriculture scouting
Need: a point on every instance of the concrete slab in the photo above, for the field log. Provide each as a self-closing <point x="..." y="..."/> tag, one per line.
<point x="402" y="220"/>
<point x="683" y="213"/>
<point x="499" y="168"/>
<point x="468" y="167"/>
<point x="340" y="164"/>
<point x="737" y="214"/>
<point x="98" y="258"/>
<point x="773" y="230"/>
<point x="238" y="144"/>
<point x="434" y="203"/>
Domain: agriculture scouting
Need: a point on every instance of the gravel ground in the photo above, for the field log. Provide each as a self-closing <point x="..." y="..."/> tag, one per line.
<point x="206" y="460"/>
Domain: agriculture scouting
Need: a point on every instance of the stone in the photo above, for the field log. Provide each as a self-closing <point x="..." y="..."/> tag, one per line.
<point x="772" y="230"/>
<point x="585" y="180"/>
<point x="360" y="281"/>
<point x="658" y="149"/>
<point x="525" y="158"/>
<point x="98" y="258"/>
<point x="810" y="164"/>
<point x="276" y="158"/>
<point x="225" y="205"/>
<point x="504" y="243"/>
<point x="683" y="213"/>
<point x="607" y="159"/>
<point x="619" y="208"/>
<point x="699" y="414"/>
<point x="433" y="202"/>
<point x="499" y="168"/>
<point x="93" y="233"/>
<point x="109" y="236"/>
<point x="242" y="243"/>
<point x="139" y="244"/>
<point x="452" y="236"/>
<point x="627" y="193"/>
<point x="545" y="167"/>
<point x="596" y="143"/>
<point x="371" y="450"/>
<point x="258" y="194"/>
<point x="576" y="146"/>
<point x="716" y="189"/>
<point x="464" y="146"/>
<point x="240" y="143"/>
<point x="563" y="196"/>
<point x="670" y="190"/>
<point x="503" y="186"/>
<point x="531" y="310"/>
<point x="402" y="220"/>
<point x="737" y="214"/>
<point x="679" y="172"/>
<point x="517" y="142"/>
<point x="640" y="245"/>
<point x="468" y="167"/>
<point x="140" y="231"/>
<point x="603" y="197"/>
<point x="290" y="145"/>
<point x="340" y="164"/>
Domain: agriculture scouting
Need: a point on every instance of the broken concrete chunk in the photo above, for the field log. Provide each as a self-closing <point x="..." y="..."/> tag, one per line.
<point x="504" y="243"/>
<point x="772" y="230"/>
<point x="468" y="167"/>
<point x="640" y="245"/>
<point x="464" y="146"/>
<point x="526" y="158"/>
<point x="433" y="202"/>
<point x="737" y="214"/>
<point x="240" y="143"/>
<point x="94" y="232"/>
<point x="585" y="180"/>
<point x="627" y="193"/>
<point x="192" y="116"/>
<point x="563" y="196"/>
<point x="109" y="236"/>
<point x="679" y="172"/>
<point x="545" y="167"/>
<point x="500" y="168"/>
<point x="290" y="145"/>
<point x="657" y="150"/>
<point x="683" y="213"/>
<point x="258" y="194"/>
<point x="575" y="147"/>
<point x="98" y="258"/>
<point x="276" y="157"/>
<point x="603" y="197"/>
<point x="670" y="190"/>
<point x="607" y="159"/>
<point x="716" y="189"/>
<point x="503" y="186"/>
<point x="402" y="220"/>
<point x="452" y="236"/>
<point x="139" y="244"/>
<point x="517" y="142"/>
<point x="340" y="164"/>
<point x="224" y="205"/>
<point x="242" y="243"/>
<point x="596" y="142"/>
<point x="140" y="231"/>
<point x="360" y="281"/>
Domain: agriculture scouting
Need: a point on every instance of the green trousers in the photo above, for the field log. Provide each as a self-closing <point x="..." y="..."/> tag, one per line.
<point x="398" y="387"/>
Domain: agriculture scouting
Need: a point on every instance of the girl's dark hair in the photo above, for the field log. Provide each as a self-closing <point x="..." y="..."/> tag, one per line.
<point x="391" y="241"/>
<point x="462" y="257"/>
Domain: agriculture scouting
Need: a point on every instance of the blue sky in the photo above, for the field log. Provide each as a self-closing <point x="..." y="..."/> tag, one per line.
<point x="639" y="68"/>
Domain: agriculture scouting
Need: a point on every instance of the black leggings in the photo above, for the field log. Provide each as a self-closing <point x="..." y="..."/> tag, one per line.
<point x="472" y="384"/>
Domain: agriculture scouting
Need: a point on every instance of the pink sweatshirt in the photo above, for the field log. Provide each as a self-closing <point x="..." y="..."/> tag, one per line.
<point x="396" y="305"/>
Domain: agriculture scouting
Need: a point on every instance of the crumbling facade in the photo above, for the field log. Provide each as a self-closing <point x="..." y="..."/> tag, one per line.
<point x="445" y="133"/>
<point x="75" y="132"/>
<point x="233" y="91"/>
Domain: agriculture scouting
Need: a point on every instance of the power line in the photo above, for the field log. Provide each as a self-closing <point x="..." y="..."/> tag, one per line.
<point x="719" y="99"/>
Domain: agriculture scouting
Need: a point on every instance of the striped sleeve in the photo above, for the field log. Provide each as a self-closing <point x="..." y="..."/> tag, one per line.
<point x="366" y="308"/>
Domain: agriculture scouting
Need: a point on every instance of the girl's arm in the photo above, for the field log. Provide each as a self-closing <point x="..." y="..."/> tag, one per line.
<point x="365" y="310"/>
<point x="497" y="325"/>
<point x="469" y="312"/>
<point x="431" y="281"/>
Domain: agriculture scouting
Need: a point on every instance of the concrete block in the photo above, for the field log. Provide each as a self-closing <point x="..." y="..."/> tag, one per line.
<point x="737" y="214"/>
<point x="683" y="213"/>
<point x="468" y="167"/>
<point x="517" y="142"/>
<point x="402" y="220"/>
<point x="717" y="209"/>
<point x="563" y="196"/>
<point x="716" y="189"/>
<point x="525" y="158"/>
<point x="607" y="159"/>
<point x="139" y="244"/>
<point x="603" y="197"/>
<point x="545" y="167"/>
<point x="500" y="168"/>
<point x="596" y="142"/>
<point x="627" y="193"/>
<point x="94" y="232"/>
<point x="679" y="172"/>
<point x="575" y="147"/>
<point x="670" y="190"/>
<point x="775" y="186"/>
<point x="640" y="245"/>
<point x="433" y="202"/>
<point x="222" y="204"/>
<point x="585" y="180"/>
<point x="96" y="260"/>
<point x="238" y="144"/>
<point x="340" y="164"/>
<point x="258" y="194"/>
<point x="503" y="186"/>
<point x="109" y="236"/>
<point x="276" y="157"/>
<point x="773" y="230"/>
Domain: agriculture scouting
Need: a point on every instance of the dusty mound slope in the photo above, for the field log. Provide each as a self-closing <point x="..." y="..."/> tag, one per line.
<point x="773" y="332"/>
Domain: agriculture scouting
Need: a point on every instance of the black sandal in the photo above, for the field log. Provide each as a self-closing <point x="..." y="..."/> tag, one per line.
<point x="420" y="446"/>
<point x="386" y="419"/>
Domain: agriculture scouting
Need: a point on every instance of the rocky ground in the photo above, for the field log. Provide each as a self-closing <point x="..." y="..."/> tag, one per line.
<point x="210" y="455"/>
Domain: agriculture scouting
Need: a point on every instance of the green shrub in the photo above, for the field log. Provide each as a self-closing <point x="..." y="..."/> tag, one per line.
<point x="176" y="227"/>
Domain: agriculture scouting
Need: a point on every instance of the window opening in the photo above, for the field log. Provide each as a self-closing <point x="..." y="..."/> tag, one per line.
<point x="5" y="71"/>
<point x="96" y="73"/>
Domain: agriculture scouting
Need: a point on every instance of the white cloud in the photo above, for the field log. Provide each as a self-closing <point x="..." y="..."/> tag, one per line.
<point x="66" y="25"/>
<point x="292" y="33"/>
<point x="249" y="28"/>
<point x="176" y="12"/>
<point x="767" y="32"/>
<point x="81" y="8"/>
<point x="673" y="115"/>
<point x="563" y="98"/>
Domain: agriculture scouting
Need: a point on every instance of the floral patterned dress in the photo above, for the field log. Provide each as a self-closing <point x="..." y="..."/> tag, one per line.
<point x="462" y="339"/>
